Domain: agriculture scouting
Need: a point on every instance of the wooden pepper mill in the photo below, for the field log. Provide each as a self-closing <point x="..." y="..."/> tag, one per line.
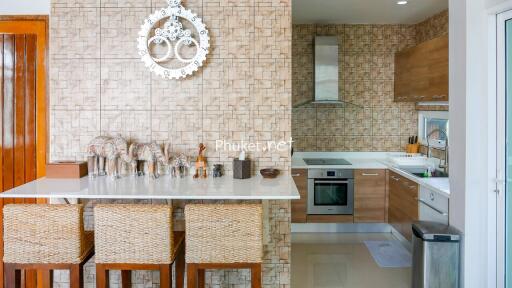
<point x="201" y="163"/>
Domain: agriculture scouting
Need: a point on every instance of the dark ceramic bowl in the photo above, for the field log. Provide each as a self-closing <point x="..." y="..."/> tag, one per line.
<point x="269" y="172"/>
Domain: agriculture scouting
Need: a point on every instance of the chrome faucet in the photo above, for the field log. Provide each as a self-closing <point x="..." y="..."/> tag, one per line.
<point x="429" y="151"/>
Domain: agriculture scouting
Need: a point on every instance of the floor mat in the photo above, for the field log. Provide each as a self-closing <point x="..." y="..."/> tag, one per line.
<point x="389" y="253"/>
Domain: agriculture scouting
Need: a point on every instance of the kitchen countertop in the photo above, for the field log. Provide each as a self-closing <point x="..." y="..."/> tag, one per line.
<point x="438" y="184"/>
<point x="223" y="188"/>
<point x="369" y="160"/>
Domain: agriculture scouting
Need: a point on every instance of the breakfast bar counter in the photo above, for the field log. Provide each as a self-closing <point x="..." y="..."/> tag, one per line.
<point x="274" y="194"/>
<point x="163" y="188"/>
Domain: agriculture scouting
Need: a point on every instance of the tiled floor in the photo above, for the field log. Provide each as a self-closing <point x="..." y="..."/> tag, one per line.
<point x="341" y="260"/>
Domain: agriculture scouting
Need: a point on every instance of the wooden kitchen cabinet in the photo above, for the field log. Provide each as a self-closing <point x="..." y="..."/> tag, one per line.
<point x="370" y="195"/>
<point x="421" y="72"/>
<point x="299" y="207"/>
<point x="403" y="203"/>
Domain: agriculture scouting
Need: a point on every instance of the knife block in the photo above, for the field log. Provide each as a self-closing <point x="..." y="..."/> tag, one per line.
<point x="412" y="148"/>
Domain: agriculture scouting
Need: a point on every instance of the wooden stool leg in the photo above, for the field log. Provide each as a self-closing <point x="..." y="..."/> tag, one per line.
<point x="76" y="276"/>
<point x="191" y="276"/>
<point x="46" y="277"/>
<point x="12" y="276"/>
<point x="165" y="276"/>
<point x="126" y="278"/>
<point x="102" y="277"/>
<point x="256" y="276"/>
<point x="200" y="278"/>
<point x="180" y="268"/>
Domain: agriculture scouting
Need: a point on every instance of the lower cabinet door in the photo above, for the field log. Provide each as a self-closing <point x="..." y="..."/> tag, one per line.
<point x="370" y="195"/>
<point x="299" y="207"/>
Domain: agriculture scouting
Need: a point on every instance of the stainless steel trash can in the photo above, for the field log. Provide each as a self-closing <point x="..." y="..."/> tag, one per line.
<point x="435" y="256"/>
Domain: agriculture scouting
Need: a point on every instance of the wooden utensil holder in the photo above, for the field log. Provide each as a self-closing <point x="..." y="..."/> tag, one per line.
<point x="412" y="148"/>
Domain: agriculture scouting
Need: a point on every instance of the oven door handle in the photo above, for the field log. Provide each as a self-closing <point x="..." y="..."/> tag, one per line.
<point x="333" y="181"/>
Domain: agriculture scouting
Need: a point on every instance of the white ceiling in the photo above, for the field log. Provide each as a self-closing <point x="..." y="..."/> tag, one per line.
<point x="364" y="11"/>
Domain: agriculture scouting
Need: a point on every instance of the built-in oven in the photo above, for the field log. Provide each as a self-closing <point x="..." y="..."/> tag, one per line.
<point x="330" y="191"/>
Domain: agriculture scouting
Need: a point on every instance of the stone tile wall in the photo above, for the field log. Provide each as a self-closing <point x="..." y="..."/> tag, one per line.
<point x="366" y="61"/>
<point x="99" y="86"/>
<point x="432" y="27"/>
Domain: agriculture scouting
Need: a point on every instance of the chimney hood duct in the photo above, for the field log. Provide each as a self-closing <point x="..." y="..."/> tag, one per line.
<point x="326" y="70"/>
<point x="326" y="73"/>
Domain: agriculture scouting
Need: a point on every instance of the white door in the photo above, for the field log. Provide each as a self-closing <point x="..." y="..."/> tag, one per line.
<point x="504" y="151"/>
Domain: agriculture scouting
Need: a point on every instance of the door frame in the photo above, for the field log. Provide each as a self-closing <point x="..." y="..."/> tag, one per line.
<point x="38" y="25"/>
<point x="501" y="135"/>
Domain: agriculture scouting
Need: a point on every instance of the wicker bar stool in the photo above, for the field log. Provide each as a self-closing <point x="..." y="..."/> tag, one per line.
<point x="223" y="236"/>
<point x="137" y="237"/>
<point x="45" y="237"/>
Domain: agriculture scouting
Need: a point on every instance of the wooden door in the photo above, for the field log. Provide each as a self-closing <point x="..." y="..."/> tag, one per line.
<point x="23" y="53"/>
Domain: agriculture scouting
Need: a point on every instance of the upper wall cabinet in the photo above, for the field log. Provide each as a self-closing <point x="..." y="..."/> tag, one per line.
<point x="421" y="72"/>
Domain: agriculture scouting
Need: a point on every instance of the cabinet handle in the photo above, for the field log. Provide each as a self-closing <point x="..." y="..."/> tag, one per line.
<point x="395" y="178"/>
<point x="419" y="97"/>
<point x="370" y="174"/>
<point x="296" y="175"/>
<point x="438" y="96"/>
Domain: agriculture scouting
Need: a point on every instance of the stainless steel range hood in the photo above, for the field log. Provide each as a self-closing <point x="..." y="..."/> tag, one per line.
<point x="326" y="73"/>
<point x="326" y="70"/>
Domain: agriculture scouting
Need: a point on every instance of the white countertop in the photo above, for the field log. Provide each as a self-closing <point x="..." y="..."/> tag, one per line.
<point x="438" y="184"/>
<point x="369" y="160"/>
<point x="223" y="188"/>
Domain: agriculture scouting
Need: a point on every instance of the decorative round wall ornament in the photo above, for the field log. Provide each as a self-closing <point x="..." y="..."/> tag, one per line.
<point x="172" y="38"/>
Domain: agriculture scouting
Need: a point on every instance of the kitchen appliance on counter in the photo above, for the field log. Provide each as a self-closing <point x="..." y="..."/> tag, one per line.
<point x="330" y="191"/>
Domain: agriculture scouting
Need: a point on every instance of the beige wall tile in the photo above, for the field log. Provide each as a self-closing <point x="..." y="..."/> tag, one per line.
<point x="330" y="121"/>
<point x="75" y="3"/>
<point x="386" y="122"/>
<point x="304" y="122"/>
<point x="119" y="31"/>
<point x="135" y="126"/>
<point x="75" y="33"/>
<point x="129" y="3"/>
<point x="387" y="143"/>
<point x="432" y="27"/>
<point x="358" y="92"/>
<point x="177" y="95"/>
<point x="304" y="143"/>
<point x="75" y="84"/>
<point x="125" y="85"/>
<point x="71" y="131"/>
<point x="330" y="143"/>
<point x="358" y="143"/>
<point x="231" y="31"/>
<point x="357" y="38"/>
<point x="383" y="93"/>
<point x="358" y="121"/>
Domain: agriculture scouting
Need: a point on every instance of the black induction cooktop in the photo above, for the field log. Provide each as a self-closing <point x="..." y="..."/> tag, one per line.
<point x="326" y="161"/>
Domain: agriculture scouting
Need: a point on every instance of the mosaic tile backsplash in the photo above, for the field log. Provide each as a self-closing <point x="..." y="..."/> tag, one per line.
<point x="99" y="86"/>
<point x="366" y="61"/>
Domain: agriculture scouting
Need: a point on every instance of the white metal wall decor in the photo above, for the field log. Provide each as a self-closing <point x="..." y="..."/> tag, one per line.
<point x="173" y="36"/>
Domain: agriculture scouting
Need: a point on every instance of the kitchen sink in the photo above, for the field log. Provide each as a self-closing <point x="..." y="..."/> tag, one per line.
<point x="420" y="172"/>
